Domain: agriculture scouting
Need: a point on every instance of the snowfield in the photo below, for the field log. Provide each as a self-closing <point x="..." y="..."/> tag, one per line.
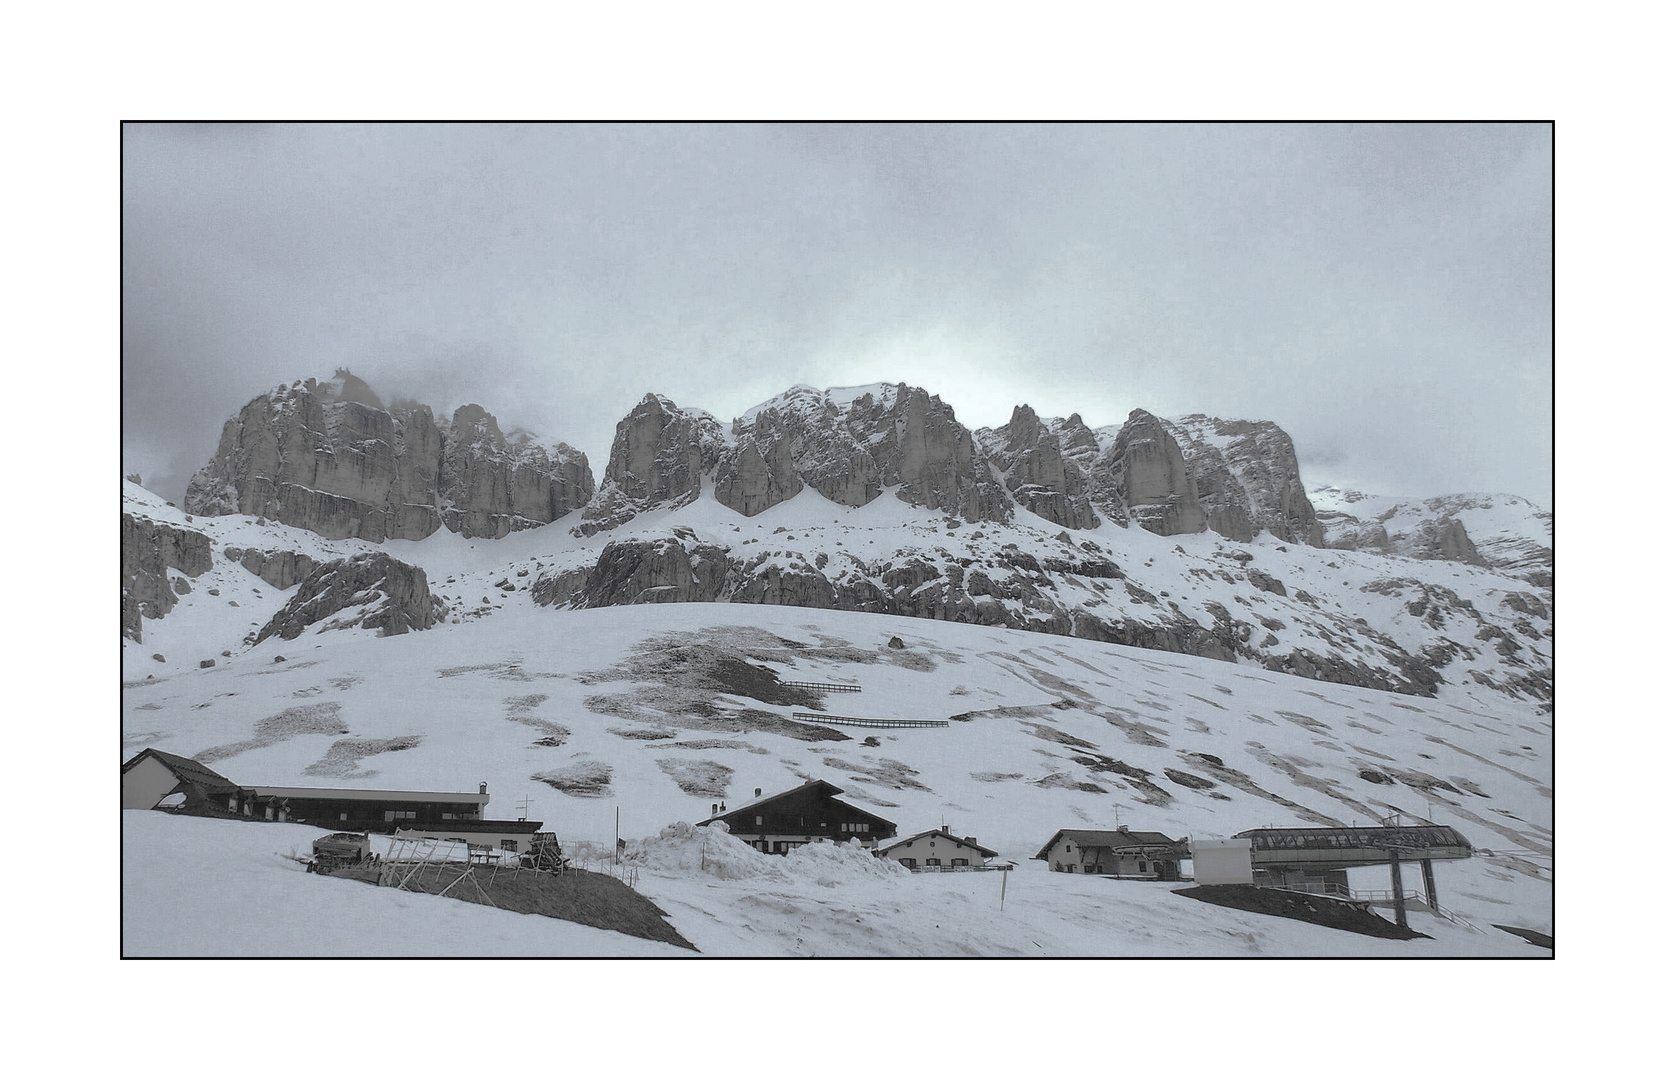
<point x="638" y="714"/>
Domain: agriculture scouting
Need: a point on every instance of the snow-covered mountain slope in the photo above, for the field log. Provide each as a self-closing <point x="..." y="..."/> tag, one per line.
<point x="1506" y="532"/>
<point x="663" y="710"/>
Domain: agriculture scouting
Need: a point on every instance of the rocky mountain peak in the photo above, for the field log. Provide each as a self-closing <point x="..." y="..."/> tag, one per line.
<point x="330" y="458"/>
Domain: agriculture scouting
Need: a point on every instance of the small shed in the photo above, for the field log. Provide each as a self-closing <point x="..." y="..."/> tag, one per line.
<point x="780" y="823"/>
<point x="1120" y="852"/>
<point x="936" y="849"/>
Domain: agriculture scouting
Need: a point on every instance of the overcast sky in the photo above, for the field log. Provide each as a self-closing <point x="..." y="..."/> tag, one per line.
<point x="1384" y="293"/>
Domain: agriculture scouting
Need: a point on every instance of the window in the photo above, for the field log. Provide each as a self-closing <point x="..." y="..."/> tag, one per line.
<point x="758" y="819"/>
<point x="909" y="863"/>
<point x="508" y="845"/>
<point x="1067" y="847"/>
<point x="1142" y="866"/>
<point x="933" y="862"/>
<point x="400" y="815"/>
<point x="962" y="862"/>
<point x="232" y="802"/>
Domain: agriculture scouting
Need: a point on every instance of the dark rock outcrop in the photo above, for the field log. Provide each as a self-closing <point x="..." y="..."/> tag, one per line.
<point x="281" y="569"/>
<point x="371" y="590"/>
<point x="150" y="549"/>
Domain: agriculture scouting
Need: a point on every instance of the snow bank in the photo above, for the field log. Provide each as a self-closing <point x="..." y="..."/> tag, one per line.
<point x="683" y="850"/>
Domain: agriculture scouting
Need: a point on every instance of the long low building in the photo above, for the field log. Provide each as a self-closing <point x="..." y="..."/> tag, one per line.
<point x="153" y="775"/>
<point x="363" y="809"/>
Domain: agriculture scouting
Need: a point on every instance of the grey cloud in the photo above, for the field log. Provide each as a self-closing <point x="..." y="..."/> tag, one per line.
<point x="1383" y="290"/>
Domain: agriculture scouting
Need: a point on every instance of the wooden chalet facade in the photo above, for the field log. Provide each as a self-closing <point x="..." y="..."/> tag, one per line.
<point x="1149" y="856"/>
<point x="936" y="849"/>
<point x="781" y="823"/>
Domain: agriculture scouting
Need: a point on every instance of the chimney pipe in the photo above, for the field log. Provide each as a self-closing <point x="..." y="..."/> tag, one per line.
<point x="758" y="793"/>
<point x="483" y="788"/>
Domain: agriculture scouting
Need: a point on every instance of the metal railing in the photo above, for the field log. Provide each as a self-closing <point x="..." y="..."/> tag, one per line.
<point x="858" y="721"/>
<point x="825" y="687"/>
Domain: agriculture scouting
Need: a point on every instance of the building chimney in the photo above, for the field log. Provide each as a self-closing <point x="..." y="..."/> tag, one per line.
<point x="483" y="788"/>
<point x="758" y="793"/>
<point x="723" y="808"/>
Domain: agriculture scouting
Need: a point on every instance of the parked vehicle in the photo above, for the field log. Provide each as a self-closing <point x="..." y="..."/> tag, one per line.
<point x="340" y="850"/>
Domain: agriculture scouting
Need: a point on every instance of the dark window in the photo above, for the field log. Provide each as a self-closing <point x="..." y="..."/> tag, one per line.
<point x="962" y="862"/>
<point x="933" y="862"/>
<point x="909" y="863"/>
<point x="508" y="845"/>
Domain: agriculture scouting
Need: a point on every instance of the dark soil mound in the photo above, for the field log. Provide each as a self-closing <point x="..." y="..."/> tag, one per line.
<point x="1534" y="937"/>
<point x="577" y="896"/>
<point x="1320" y="910"/>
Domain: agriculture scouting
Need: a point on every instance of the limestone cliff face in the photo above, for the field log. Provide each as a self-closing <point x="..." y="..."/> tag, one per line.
<point x="846" y="445"/>
<point x="759" y="470"/>
<point x="1145" y="473"/>
<point x="1036" y="469"/>
<point x="329" y="457"/>
<point x="658" y="460"/>
<point x="1248" y="478"/>
<point x="916" y="442"/>
<point x="150" y="549"/>
<point x="372" y="590"/>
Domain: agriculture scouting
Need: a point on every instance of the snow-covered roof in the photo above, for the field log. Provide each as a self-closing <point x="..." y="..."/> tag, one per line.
<point x="1115" y="839"/>
<point x="185" y="768"/>
<point x="940" y="834"/>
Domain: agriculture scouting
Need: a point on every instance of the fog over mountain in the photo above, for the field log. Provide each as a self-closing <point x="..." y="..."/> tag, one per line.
<point x="1382" y="293"/>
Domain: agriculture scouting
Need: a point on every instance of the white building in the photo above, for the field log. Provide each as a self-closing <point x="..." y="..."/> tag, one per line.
<point x="937" y="849"/>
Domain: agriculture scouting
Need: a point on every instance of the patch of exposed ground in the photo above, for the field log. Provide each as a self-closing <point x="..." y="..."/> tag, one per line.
<point x="1320" y="910"/>
<point x="886" y="771"/>
<point x="585" y="779"/>
<point x="1137" y="731"/>
<point x="1138" y="779"/>
<point x="1052" y="734"/>
<point x="1294" y="770"/>
<point x="1534" y="937"/>
<point x="577" y="896"/>
<point x="995" y="777"/>
<point x="343" y="759"/>
<point x="518" y="711"/>
<point x="700" y="779"/>
<point x="1233" y="778"/>
<point x="643" y="734"/>
<point x="320" y="719"/>
<point x="692" y="710"/>
<point x="719" y="744"/>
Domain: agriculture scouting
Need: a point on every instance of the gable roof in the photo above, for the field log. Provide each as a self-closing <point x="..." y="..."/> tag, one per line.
<point x="188" y="770"/>
<point x="940" y="835"/>
<point x="1115" y="839"/>
<point x="827" y="789"/>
